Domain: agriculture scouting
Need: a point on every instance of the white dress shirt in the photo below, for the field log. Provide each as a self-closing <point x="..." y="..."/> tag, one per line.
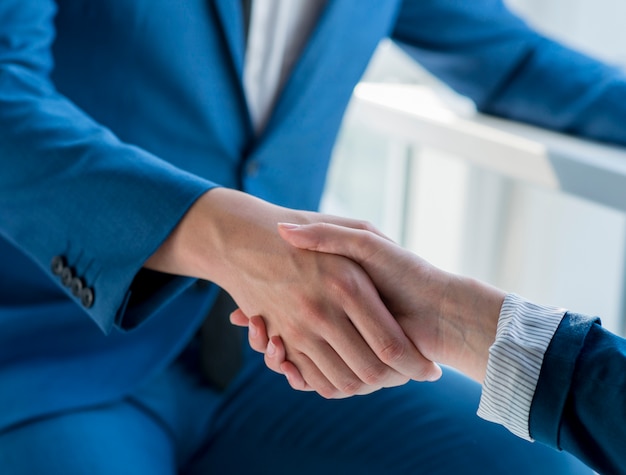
<point x="522" y="338"/>
<point x="277" y="33"/>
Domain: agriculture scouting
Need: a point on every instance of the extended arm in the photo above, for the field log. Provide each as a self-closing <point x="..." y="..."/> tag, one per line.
<point x="571" y="367"/>
<point x="71" y="188"/>
<point x="485" y="52"/>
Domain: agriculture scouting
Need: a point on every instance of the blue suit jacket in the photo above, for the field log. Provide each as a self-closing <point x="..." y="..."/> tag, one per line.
<point x="115" y="115"/>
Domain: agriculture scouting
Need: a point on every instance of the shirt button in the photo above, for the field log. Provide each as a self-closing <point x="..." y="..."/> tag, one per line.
<point x="252" y="168"/>
<point x="87" y="297"/>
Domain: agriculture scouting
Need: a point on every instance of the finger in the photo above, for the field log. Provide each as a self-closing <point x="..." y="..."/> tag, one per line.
<point x="380" y="330"/>
<point x="237" y="317"/>
<point x="385" y="337"/>
<point x="367" y="312"/>
<point x="350" y="224"/>
<point x="316" y="380"/>
<point x="292" y="373"/>
<point x="275" y="354"/>
<point x="257" y="334"/>
<point x="346" y="370"/>
<point x="357" y="358"/>
<point x="275" y="359"/>
<point x="294" y="377"/>
<point x="356" y="244"/>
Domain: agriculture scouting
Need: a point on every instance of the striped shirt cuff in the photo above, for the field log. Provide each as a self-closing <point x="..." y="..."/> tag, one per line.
<point x="522" y="338"/>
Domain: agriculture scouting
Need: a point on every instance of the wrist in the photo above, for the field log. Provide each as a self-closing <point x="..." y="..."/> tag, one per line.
<point x="470" y="312"/>
<point x="198" y="245"/>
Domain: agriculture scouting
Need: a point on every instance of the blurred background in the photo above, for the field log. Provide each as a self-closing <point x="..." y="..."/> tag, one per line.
<point x="546" y="245"/>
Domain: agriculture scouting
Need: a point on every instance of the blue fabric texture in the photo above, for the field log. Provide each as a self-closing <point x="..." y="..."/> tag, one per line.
<point x="116" y="115"/>
<point x="175" y="424"/>
<point x="579" y="401"/>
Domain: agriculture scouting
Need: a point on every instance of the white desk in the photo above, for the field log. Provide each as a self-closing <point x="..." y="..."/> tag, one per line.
<point x="416" y="114"/>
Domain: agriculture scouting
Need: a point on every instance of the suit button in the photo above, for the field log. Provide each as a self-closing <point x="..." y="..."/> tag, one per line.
<point x="87" y="297"/>
<point x="57" y="265"/>
<point x="252" y="168"/>
<point x="67" y="275"/>
<point x="77" y="286"/>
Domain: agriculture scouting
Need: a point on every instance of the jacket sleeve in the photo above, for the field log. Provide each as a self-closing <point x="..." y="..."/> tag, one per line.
<point x="69" y="188"/>
<point x="578" y="404"/>
<point x="485" y="52"/>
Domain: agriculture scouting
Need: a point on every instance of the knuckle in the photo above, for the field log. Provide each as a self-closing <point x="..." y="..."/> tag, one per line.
<point x="392" y="352"/>
<point x="375" y="374"/>
<point x="351" y="386"/>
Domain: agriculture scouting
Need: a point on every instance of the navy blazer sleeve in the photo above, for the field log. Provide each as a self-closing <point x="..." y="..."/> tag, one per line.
<point x="70" y="187"/>
<point x="485" y="52"/>
<point x="579" y="400"/>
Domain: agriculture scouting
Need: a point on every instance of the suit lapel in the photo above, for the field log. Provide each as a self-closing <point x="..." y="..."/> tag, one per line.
<point x="231" y="16"/>
<point x="345" y="36"/>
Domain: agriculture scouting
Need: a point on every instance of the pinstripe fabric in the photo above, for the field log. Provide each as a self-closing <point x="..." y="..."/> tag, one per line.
<point x="522" y="338"/>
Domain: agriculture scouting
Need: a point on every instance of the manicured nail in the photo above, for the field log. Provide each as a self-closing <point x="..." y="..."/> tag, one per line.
<point x="271" y="349"/>
<point x="288" y="225"/>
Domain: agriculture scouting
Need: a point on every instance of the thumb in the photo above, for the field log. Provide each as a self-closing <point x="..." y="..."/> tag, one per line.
<point x="356" y="244"/>
<point x="301" y="236"/>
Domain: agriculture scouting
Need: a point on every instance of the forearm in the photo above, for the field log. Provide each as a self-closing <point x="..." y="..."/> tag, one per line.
<point x="469" y="319"/>
<point x="213" y="239"/>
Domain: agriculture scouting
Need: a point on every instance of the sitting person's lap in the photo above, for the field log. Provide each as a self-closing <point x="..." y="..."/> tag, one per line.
<point x="260" y="425"/>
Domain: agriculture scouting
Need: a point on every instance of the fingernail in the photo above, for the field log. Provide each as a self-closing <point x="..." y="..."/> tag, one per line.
<point x="254" y="331"/>
<point x="288" y="225"/>
<point x="271" y="349"/>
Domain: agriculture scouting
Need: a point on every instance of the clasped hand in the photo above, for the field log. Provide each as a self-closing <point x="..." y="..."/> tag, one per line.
<point x="450" y="319"/>
<point x="336" y="329"/>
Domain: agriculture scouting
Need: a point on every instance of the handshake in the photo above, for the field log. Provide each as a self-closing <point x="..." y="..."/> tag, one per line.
<point x="399" y="318"/>
<point x="334" y="305"/>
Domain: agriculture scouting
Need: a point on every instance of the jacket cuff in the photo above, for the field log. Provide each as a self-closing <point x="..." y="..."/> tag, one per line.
<point x="556" y="376"/>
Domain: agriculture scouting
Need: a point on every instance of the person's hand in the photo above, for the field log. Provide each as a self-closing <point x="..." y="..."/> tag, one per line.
<point x="334" y="326"/>
<point x="451" y="320"/>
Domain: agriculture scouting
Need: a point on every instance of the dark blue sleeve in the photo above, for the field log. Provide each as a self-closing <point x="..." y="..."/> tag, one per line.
<point x="485" y="52"/>
<point x="579" y="403"/>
